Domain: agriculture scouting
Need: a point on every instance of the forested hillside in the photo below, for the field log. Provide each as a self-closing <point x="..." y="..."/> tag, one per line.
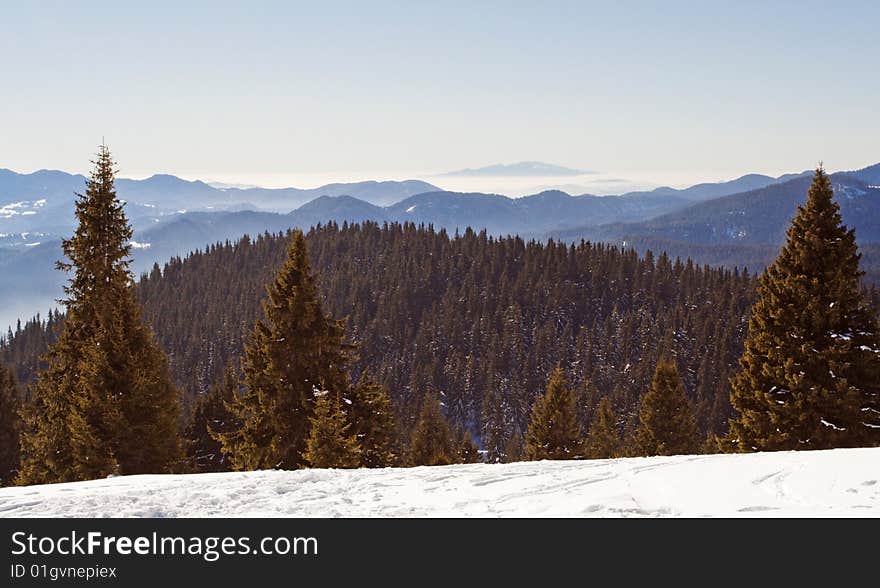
<point x="479" y="321"/>
<point x="754" y="257"/>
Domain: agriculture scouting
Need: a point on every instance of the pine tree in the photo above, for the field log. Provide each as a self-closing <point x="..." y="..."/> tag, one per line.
<point x="432" y="441"/>
<point x="296" y="351"/>
<point x="372" y="420"/>
<point x="105" y="403"/>
<point x="210" y="420"/>
<point x="331" y="444"/>
<point x="810" y="372"/>
<point x="554" y="432"/>
<point x="666" y="421"/>
<point x="603" y="439"/>
<point x="9" y="426"/>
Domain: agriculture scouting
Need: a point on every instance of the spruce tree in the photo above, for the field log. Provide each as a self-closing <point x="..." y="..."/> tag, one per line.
<point x="9" y="426"/>
<point x="495" y="433"/>
<point x="666" y="421"/>
<point x="105" y="403"/>
<point x="554" y="432"/>
<point x="331" y="444"/>
<point x="432" y="441"/>
<point x="296" y="351"/>
<point x="372" y="420"/>
<point x="810" y="372"/>
<point x="210" y="419"/>
<point x="603" y="439"/>
<point x="514" y="449"/>
<point x="467" y="451"/>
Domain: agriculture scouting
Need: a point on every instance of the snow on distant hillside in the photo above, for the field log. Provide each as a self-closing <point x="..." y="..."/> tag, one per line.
<point x="842" y="482"/>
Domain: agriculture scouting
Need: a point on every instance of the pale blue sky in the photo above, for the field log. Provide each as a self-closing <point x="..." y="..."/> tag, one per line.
<point x="268" y="92"/>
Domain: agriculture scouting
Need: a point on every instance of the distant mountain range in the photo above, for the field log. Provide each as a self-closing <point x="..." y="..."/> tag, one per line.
<point x="708" y="191"/>
<point x="739" y="222"/>
<point x="757" y="216"/>
<point x="42" y="201"/>
<point x="747" y="228"/>
<point x="530" y="216"/>
<point x="37" y="207"/>
<point x="741" y="215"/>
<point x="40" y="204"/>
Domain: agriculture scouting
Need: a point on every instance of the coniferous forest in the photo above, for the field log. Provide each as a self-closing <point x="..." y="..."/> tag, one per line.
<point x="396" y="344"/>
<point x="480" y="323"/>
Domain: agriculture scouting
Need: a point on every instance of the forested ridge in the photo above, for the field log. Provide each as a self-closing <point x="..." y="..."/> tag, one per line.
<point x="481" y="322"/>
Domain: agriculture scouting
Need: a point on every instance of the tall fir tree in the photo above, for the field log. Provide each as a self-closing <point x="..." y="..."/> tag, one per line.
<point x="9" y="426"/>
<point x="810" y="372"/>
<point x="331" y="443"/>
<point x="372" y="420"/>
<point x="554" y="431"/>
<point x="296" y="351"/>
<point x="210" y="419"/>
<point x="105" y="403"/>
<point x="432" y="440"/>
<point x="603" y="438"/>
<point x="666" y="421"/>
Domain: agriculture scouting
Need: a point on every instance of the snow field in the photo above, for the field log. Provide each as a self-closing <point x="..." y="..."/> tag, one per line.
<point x="841" y="482"/>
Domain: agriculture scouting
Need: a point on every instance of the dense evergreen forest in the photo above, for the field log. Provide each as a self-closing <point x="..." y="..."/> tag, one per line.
<point x="477" y="321"/>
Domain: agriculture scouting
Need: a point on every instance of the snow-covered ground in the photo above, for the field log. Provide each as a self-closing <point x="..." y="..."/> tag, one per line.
<point x="842" y="482"/>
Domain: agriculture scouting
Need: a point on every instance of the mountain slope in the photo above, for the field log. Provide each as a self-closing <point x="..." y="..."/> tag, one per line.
<point x="869" y="175"/>
<point x="336" y="208"/>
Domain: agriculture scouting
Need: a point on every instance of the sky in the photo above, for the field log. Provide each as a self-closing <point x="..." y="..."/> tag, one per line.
<point x="290" y="93"/>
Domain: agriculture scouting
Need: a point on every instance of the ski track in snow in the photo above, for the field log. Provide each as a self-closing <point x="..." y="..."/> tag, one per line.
<point x="841" y="482"/>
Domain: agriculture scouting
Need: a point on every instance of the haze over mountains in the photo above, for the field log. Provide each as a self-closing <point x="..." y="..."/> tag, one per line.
<point x="738" y="222"/>
<point x="523" y="168"/>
